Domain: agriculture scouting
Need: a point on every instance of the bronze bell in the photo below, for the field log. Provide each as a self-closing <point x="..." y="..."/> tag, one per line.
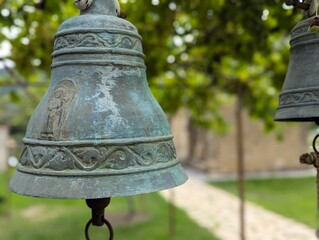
<point x="98" y="132"/>
<point x="299" y="100"/>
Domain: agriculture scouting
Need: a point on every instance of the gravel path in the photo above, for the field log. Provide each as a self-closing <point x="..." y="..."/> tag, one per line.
<point x="217" y="210"/>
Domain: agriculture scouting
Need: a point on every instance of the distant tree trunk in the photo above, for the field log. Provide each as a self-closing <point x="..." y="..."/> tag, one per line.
<point x="206" y="145"/>
<point x="192" y="141"/>
<point x="199" y="146"/>
<point x="240" y="162"/>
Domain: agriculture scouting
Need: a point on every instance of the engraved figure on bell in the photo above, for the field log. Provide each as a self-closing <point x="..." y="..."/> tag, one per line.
<point x="58" y="104"/>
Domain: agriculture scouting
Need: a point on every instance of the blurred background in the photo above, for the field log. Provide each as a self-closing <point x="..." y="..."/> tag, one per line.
<point x="216" y="67"/>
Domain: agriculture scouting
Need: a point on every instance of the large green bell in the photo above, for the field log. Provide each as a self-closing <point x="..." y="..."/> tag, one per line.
<point x="98" y="132"/>
<point x="299" y="99"/>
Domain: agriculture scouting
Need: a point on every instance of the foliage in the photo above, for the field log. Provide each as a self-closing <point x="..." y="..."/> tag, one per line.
<point x="291" y="197"/>
<point x="197" y="53"/>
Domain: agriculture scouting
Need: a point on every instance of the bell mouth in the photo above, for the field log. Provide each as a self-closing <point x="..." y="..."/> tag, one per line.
<point x="93" y="187"/>
<point x="298" y="103"/>
<point x="304" y="113"/>
<point x="87" y="169"/>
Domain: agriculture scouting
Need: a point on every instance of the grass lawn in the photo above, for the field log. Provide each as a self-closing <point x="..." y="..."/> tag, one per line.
<point x="27" y="218"/>
<point x="292" y="197"/>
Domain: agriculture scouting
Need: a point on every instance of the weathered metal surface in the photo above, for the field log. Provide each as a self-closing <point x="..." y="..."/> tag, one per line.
<point x="98" y="131"/>
<point x="299" y="100"/>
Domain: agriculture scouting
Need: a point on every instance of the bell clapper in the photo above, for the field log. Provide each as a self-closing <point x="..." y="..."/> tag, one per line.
<point x="313" y="159"/>
<point x="98" y="219"/>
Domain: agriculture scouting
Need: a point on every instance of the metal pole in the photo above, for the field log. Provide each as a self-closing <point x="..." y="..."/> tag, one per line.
<point x="240" y="162"/>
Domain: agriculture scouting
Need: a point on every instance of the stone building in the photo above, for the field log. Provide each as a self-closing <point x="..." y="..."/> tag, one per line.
<point x="262" y="151"/>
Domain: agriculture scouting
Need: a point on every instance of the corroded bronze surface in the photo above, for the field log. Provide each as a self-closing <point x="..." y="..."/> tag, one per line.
<point x="98" y="131"/>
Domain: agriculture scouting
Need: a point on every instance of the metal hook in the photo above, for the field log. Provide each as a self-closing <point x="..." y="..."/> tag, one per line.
<point x="98" y="206"/>
<point x="107" y="223"/>
<point x="314" y="144"/>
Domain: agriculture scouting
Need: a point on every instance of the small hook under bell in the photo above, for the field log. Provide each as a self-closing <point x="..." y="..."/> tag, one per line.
<point x="98" y="219"/>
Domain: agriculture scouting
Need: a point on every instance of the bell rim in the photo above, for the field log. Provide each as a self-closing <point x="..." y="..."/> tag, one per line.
<point x="298" y="113"/>
<point x="97" y="142"/>
<point x="62" y="187"/>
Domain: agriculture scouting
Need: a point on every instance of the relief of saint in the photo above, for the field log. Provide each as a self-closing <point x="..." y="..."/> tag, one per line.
<point x="58" y="105"/>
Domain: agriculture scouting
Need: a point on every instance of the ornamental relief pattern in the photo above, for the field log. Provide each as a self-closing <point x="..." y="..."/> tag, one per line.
<point x="101" y="40"/>
<point x="299" y="98"/>
<point x="92" y="158"/>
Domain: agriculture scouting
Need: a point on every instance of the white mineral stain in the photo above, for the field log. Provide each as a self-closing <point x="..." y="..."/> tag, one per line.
<point x="103" y="98"/>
